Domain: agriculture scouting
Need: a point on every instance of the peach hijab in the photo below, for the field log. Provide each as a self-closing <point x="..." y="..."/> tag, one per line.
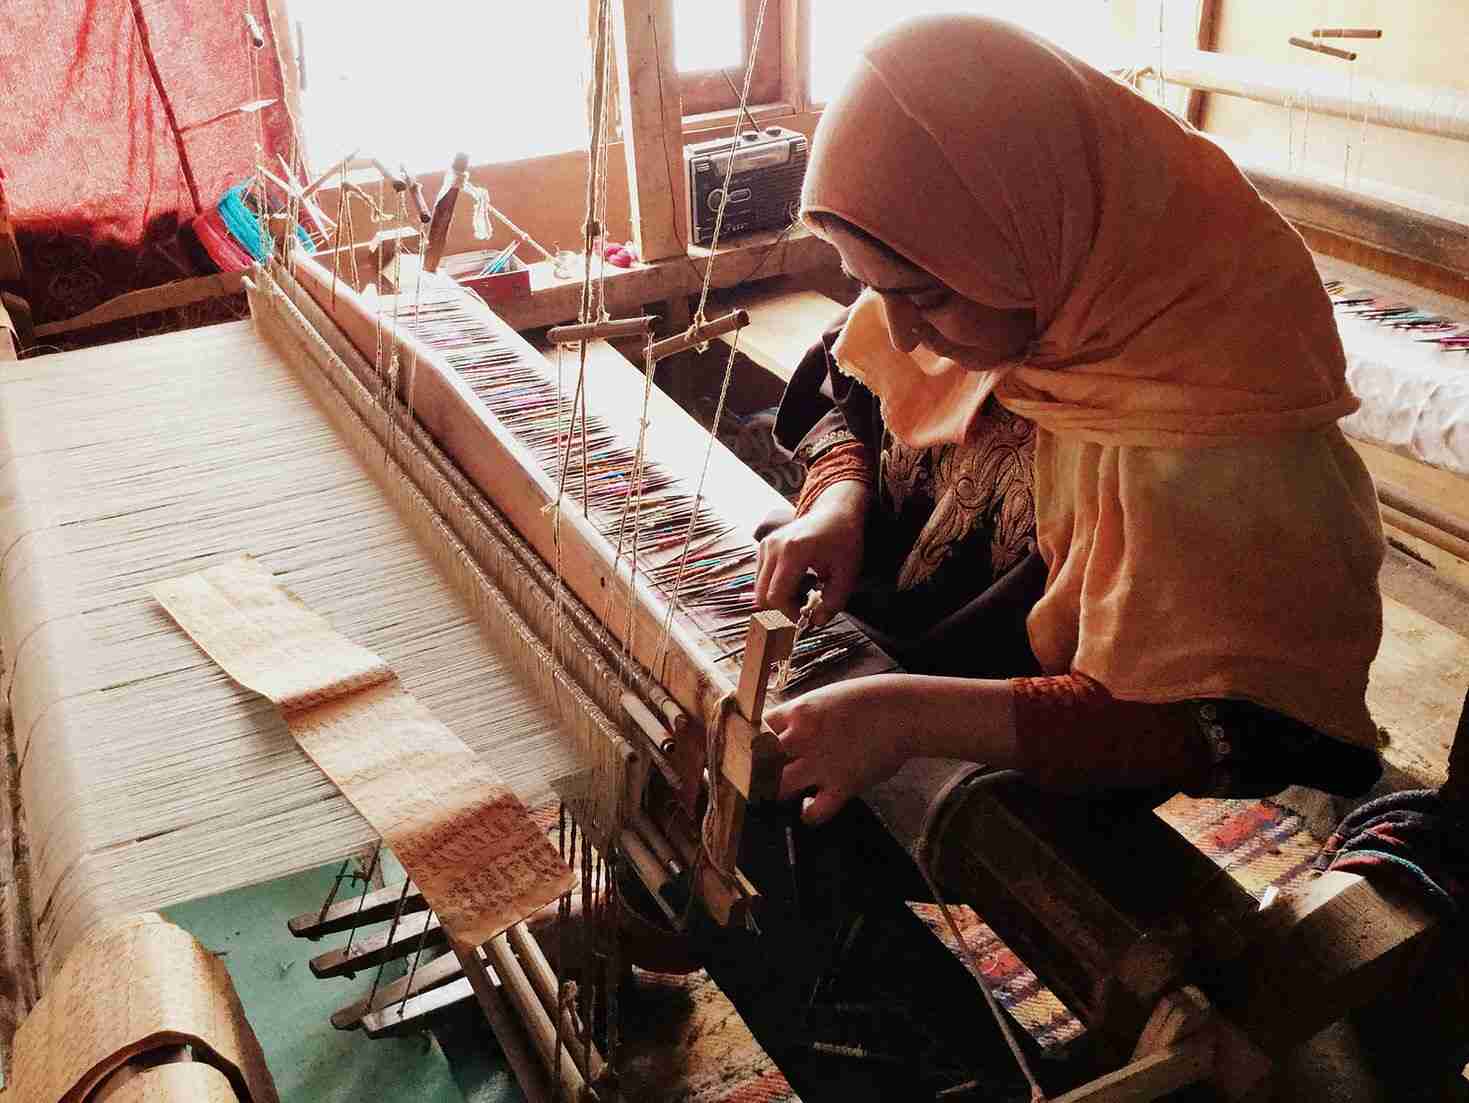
<point x="1208" y="530"/>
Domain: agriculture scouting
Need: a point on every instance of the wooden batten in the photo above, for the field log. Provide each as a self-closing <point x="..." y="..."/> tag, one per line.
<point x="443" y="214"/>
<point x="1324" y="950"/>
<point x="1356" y="216"/>
<point x="652" y="126"/>
<point x="149" y="300"/>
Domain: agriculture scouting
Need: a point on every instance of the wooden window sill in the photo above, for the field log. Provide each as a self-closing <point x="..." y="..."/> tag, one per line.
<point x="751" y="256"/>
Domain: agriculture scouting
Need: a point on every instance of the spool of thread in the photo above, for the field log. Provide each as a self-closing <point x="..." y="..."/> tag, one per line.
<point x="244" y="225"/>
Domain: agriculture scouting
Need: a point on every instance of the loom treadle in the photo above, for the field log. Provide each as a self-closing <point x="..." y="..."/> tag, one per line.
<point x="373" y="950"/>
<point x="376" y="906"/>
<point x="386" y="1022"/>
<point x="428" y="976"/>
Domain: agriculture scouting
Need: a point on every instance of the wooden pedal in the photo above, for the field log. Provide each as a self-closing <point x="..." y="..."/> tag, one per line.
<point x="428" y="976"/>
<point x="377" y="906"/>
<point x="401" y="1017"/>
<point x="374" y="949"/>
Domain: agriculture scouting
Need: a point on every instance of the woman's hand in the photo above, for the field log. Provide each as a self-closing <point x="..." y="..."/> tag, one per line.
<point x="844" y="738"/>
<point x="827" y="540"/>
<point x="841" y="739"/>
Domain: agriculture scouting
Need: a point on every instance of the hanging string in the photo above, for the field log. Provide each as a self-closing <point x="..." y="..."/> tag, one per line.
<point x="1037" y="1094"/>
<point x="589" y="232"/>
<point x="377" y="977"/>
<point x="377" y="852"/>
<point x="744" y="108"/>
<point x="698" y="320"/>
<point x="632" y="508"/>
<point x="683" y="559"/>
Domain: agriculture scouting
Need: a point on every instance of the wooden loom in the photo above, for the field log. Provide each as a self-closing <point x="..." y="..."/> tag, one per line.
<point x="1158" y="951"/>
<point x="1119" y="952"/>
<point x="699" y="675"/>
<point x="1123" y="958"/>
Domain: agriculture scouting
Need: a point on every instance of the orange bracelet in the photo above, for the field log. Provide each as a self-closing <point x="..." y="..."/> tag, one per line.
<point x="843" y="463"/>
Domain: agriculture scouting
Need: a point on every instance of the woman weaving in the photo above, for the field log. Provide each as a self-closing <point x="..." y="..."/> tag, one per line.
<point x="1073" y="453"/>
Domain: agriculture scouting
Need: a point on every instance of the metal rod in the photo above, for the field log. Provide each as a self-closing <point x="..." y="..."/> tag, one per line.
<point x="698" y="335"/>
<point x="611" y="330"/>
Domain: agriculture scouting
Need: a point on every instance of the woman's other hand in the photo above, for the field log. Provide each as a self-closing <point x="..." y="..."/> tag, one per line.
<point x="827" y="541"/>
<point x="841" y="739"/>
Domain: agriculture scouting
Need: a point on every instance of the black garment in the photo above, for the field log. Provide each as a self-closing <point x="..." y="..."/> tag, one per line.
<point x="967" y="618"/>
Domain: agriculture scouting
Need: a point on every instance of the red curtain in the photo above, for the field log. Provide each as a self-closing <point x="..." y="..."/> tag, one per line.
<point x="103" y="155"/>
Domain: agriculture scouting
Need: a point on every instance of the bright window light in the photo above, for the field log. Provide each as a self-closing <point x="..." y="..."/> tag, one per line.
<point x="840" y="28"/>
<point x="708" y="34"/>
<point x="498" y="81"/>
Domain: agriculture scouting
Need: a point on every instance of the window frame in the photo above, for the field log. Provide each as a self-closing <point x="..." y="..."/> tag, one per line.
<point x="708" y="91"/>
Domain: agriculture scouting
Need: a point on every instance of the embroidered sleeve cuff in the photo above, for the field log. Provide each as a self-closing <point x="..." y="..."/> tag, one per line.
<point x="844" y="463"/>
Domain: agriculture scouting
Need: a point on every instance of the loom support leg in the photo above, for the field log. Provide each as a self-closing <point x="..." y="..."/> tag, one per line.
<point x="528" y="1069"/>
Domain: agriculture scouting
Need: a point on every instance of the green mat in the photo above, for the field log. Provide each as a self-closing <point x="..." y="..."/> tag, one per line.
<point x="313" y="1062"/>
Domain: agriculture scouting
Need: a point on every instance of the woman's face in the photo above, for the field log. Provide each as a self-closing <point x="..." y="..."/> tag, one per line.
<point x="922" y="311"/>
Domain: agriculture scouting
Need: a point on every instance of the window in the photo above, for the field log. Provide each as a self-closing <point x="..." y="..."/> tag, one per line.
<point x="839" y="28"/>
<point x="712" y="49"/>
<point x="708" y="35"/>
<point x="498" y="81"/>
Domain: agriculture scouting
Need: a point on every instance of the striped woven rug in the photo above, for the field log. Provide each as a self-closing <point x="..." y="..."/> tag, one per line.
<point x="689" y="1045"/>
<point x="1259" y="842"/>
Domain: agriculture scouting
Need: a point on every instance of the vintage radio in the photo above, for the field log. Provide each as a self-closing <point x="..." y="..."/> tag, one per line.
<point x="764" y="189"/>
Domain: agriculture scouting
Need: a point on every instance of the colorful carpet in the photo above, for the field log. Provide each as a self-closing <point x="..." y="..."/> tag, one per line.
<point x="1257" y="841"/>
<point x="686" y="1038"/>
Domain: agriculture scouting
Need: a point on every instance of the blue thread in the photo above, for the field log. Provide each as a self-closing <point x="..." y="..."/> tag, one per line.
<point x="244" y="226"/>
